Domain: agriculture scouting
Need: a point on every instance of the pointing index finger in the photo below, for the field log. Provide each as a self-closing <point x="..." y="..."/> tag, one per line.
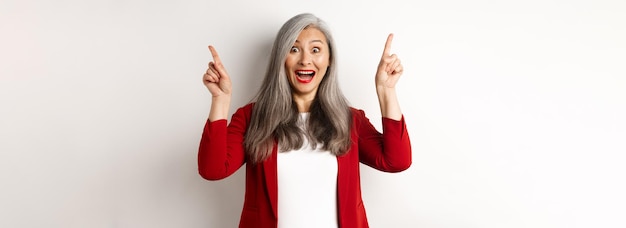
<point x="388" y="45"/>
<point x="216" y="57"/>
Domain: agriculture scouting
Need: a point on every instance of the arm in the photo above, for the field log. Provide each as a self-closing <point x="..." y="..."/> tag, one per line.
<point x="221" y="150"/>
<point x="389" y="151"/>
<point x="387" y="75"/>
<point x="217" y="81"/>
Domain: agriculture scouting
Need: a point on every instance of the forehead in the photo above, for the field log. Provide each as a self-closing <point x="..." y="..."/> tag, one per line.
<point x="310" y="34"/>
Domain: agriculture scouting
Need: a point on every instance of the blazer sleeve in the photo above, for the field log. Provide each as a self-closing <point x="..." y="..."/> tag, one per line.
<point x="389" y="151"/>
<point x="221" y="151"/>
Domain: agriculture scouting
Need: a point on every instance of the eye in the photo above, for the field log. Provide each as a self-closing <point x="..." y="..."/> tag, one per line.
<point x="316" y="50"/>
<point x="294" y="49"/>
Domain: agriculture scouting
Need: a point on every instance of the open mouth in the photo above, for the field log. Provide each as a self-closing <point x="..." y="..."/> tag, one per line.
<point x="305" y="76"/>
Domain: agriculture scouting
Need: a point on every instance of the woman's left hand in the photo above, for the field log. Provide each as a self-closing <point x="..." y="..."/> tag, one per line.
<point x="389" y="69"/>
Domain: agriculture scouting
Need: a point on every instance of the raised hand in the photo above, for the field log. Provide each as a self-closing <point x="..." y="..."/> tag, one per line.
<point x="389" y="69"/>
<point x="216" y="78"/>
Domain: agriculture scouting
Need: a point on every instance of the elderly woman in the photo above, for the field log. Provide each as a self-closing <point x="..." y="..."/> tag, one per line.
<point x="300" y="140"/>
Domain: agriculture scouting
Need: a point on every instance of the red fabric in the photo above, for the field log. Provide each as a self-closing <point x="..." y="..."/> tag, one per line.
<point x="221" y="153"/>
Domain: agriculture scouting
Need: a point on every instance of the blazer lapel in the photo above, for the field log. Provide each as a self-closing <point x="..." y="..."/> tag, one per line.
<point x="271" y="179"/>
<point x="343" y="179"/>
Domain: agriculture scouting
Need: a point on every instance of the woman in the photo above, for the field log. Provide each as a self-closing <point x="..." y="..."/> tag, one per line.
<point x="300" y="140"/>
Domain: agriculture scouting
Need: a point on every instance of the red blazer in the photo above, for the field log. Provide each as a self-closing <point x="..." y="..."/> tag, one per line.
<point x="221" y="153"/>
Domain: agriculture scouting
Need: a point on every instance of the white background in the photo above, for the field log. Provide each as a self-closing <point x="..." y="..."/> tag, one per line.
<point x="515" y="109"/>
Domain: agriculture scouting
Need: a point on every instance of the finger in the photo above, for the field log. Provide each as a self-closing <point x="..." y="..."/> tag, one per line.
<point x="211" y="78"/>
<point x="389" y="61"/>
<point x="387" y="49"/>
<point x="396" y="67"/>
<point x="216" y="57"/>
<point x="212" y="69"/>
<point x="218" y="66"/>
<point x="399" y="69"/>
<point x="207" y="76"/>
<point x="211" y="74"/>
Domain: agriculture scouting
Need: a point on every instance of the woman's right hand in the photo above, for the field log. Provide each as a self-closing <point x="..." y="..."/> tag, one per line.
<point x="216" y="78"/>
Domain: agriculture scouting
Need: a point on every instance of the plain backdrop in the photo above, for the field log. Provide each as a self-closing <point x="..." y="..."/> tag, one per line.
<point x="515" y="109"/>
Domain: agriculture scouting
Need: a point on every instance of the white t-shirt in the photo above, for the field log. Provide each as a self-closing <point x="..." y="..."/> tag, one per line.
<point x="307" y="187"/>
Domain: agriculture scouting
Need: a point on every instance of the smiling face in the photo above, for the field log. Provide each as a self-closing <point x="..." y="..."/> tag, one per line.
<point x="307" y="62"/>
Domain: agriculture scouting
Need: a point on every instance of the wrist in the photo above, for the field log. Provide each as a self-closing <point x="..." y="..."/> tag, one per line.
<point x="220" y="106"/>
<point x="388" y="101"/>
<point x="383" y="90"/>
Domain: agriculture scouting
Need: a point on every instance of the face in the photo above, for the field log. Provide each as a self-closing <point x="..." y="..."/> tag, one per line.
<point x="307" y="62"/>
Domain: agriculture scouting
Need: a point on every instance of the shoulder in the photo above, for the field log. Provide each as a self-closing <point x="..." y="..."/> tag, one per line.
<point x="247" y="107"/>
<point x="357" y="114"/>
<point x="355" y="110"/>
<point x="244" y="111"/>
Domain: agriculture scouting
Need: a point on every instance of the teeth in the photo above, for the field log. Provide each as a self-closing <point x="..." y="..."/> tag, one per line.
<point x="305" y="72"/>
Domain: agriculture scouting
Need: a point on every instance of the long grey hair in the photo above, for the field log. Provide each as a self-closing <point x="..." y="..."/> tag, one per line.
<point x="275" y="114"/>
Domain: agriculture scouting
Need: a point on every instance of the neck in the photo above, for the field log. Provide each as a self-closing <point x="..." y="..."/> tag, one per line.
<point x="303" y="102"/>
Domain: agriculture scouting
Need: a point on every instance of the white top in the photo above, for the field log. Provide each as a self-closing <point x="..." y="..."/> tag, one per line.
<point x="307" y="187"/>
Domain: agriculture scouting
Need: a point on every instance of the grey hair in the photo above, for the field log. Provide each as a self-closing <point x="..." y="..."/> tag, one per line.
<point x="275" y="114"/>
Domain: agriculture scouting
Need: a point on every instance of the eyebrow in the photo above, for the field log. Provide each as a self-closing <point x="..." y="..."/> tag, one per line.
<point x="312" y="41"/>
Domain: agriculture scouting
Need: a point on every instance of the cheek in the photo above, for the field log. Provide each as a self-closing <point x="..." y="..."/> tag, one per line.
<point x="291" y="61"/>
<point x="322" y="61"/>
<point x="288" y="63"/>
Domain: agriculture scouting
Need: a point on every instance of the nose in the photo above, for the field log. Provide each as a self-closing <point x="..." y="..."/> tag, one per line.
<point x="305" y="58"/>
